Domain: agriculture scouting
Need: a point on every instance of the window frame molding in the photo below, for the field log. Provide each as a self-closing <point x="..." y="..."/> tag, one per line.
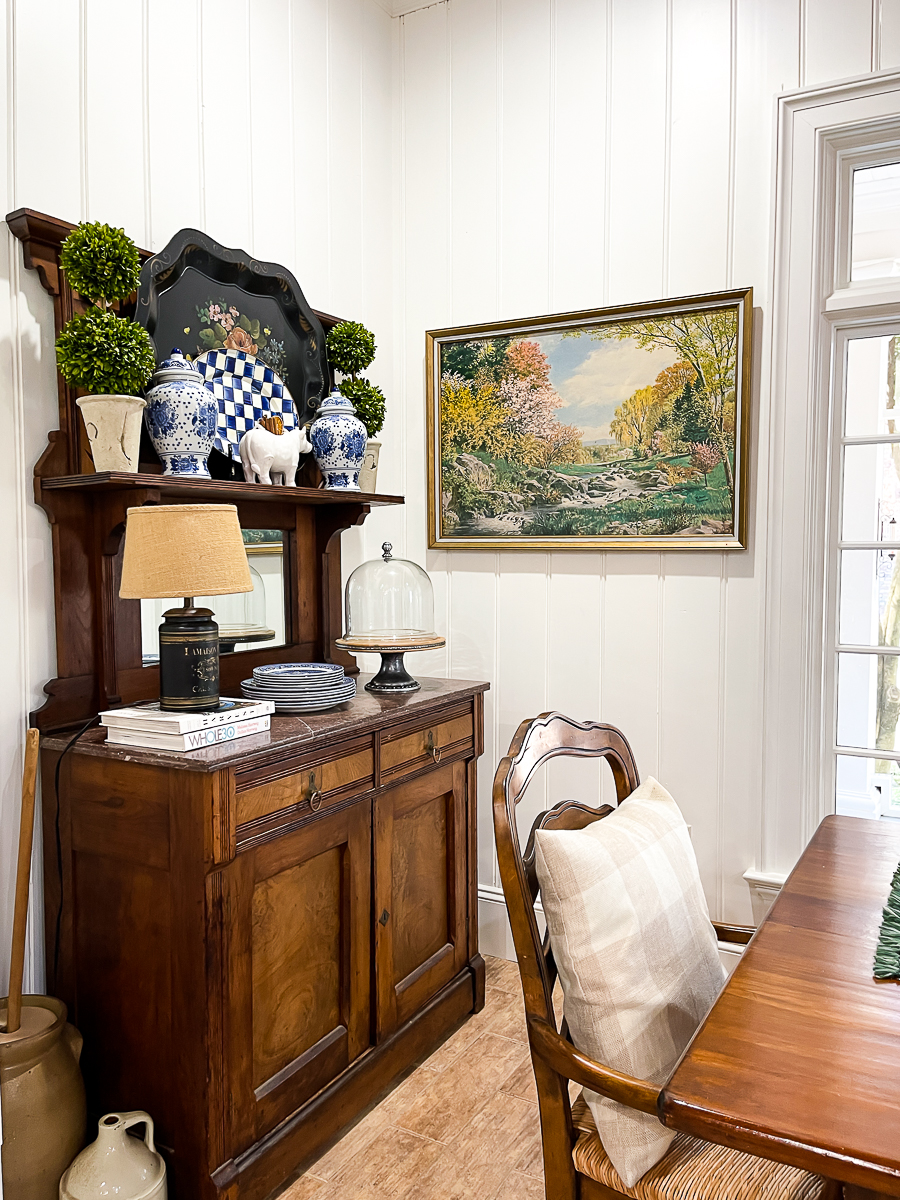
<point x="821" y="135"/>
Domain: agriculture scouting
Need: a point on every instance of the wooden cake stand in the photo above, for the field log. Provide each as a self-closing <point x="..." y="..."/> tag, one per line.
<point x="393" y="675"/>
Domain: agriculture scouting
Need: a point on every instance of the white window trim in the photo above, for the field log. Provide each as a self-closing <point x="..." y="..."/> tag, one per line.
<point x="822" y="133"/>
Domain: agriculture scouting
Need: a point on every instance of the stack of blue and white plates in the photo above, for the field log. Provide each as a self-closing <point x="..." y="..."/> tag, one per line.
<point x="300" y="687"/>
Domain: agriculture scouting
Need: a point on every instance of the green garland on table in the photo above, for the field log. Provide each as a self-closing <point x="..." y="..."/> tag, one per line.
<point x="887" y="952"/>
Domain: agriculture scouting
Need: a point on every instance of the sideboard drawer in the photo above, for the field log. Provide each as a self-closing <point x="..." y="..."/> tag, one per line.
<point x="320" y="781"/>
<point x="411" y="751"/>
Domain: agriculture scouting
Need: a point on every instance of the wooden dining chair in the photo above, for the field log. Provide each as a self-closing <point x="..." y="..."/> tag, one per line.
<point x="575" y="1165"/>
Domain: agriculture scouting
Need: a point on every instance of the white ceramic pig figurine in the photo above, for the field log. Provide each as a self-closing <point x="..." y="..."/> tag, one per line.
<point x="272" y="457"/>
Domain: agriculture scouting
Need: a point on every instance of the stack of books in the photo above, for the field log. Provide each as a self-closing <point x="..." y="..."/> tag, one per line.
<point x="147" y="725"/>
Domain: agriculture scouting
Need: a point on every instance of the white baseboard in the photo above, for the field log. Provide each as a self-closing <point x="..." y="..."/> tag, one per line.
<point x="764" y="887"/>
<point x="494" y="933"/>
<point x="495" y="936"/>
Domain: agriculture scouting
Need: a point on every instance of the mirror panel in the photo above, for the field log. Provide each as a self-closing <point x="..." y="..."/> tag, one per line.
<point x="246" y="620"/>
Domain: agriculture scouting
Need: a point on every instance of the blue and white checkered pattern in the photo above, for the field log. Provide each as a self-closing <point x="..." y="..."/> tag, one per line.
<point x="245" y="390"/>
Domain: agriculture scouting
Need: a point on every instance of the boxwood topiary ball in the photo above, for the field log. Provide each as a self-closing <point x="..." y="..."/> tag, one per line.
<point x="100" y="262"/>
<point x="105" y="354"/>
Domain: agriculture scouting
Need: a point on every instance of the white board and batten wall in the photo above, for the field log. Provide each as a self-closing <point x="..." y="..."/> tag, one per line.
<point x="424" y="165"/>
<point x="267" y="124"/>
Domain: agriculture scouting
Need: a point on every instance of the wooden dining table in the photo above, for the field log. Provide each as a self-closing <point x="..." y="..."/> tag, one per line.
<point x="799" y="1058"/>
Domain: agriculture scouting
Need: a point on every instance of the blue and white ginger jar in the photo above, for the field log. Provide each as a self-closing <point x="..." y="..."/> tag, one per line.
<point x="181" y="416"/>
<point x="339" y="443"/>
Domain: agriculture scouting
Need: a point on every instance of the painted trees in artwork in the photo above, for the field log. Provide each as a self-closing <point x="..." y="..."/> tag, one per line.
<point x="707" y="342"/>
<point x="496" y="398"/>
<point x="704" y="458"/>
<point x="637" y="419"/>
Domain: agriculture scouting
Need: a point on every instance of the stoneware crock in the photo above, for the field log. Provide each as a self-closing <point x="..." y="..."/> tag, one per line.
<point x="42" y="1098"/>
<point x="113" y="425"/>
<point x="181" y="417"/>
<point x="339" y="443"/>
<point x="117" y="1165"/>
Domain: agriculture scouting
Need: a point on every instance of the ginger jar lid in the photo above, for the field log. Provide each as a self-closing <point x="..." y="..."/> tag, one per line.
<point x="336" y="403"/>
<point x="176" y="366"/>
<point x="389" y="600"/>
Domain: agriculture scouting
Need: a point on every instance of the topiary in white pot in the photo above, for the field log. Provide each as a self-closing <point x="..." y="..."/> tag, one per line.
<point x="108" y="356"/>
<point x="351" y="348"/>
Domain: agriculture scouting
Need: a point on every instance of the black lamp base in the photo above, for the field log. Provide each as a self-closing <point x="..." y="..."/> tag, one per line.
<point x="393" y="676"/>
<point x="188" y="660"/>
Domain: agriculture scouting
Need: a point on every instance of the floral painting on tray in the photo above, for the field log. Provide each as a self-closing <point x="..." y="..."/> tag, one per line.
<point x="222" y="326"/>
<point x="609" y="428"/>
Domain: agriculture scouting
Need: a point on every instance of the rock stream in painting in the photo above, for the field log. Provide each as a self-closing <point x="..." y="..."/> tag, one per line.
<point x="625" y="429"/>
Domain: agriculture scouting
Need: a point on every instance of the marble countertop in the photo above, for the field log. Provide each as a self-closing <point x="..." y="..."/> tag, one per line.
<point x="364" y="712"/>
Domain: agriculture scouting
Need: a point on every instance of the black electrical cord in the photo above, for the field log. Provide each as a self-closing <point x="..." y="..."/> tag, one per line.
<point x="59" y="856"/>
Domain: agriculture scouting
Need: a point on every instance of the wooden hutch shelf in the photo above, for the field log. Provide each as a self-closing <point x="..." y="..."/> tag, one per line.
<point x="174" y="487"/>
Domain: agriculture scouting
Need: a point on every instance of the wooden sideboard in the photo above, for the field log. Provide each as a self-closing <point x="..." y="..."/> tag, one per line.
<point x="257" y="939"/>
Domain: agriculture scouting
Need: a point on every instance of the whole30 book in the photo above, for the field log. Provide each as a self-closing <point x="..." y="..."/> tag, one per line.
<point x="197" y="739"/>
<point x="149" y="716"/>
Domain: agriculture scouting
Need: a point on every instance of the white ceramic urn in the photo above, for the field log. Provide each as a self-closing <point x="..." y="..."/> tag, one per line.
<point x="117" y="1166"/>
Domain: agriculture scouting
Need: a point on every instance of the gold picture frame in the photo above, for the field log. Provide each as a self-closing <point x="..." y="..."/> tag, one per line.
<point x="613" y="428"/>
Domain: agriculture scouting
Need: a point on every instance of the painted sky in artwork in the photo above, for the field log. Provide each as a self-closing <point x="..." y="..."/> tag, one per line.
<point x="594" y="377"/>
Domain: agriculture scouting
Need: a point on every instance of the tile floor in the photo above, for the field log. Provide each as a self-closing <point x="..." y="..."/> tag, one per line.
<point x="463" y="1124"/>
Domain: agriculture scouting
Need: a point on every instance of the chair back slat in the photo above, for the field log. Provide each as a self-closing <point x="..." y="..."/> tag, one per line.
<point x="535" y="743"/>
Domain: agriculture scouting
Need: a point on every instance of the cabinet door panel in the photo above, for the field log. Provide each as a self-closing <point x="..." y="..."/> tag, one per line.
<point x="420" y="906"/>
<point x="300" y="933"/>
<point x="297" y="960"/>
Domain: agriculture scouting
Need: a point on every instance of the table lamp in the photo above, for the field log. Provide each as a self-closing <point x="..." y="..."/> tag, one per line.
<point x="185" y="550"/>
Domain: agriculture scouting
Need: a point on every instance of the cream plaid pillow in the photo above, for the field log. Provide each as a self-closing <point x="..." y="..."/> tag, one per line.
<point x="636" y="954"/>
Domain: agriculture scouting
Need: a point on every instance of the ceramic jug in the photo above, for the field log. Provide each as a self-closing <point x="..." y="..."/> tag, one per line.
<point x="42" y="1097"/>
<point x="117" y="1165"/>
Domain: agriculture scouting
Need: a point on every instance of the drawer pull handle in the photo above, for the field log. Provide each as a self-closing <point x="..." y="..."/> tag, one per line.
<point x="432" y="749"/>
<point x="315" y="796"/>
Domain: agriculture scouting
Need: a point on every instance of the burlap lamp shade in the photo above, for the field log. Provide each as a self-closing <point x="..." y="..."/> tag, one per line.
<point x="183" y="550"/>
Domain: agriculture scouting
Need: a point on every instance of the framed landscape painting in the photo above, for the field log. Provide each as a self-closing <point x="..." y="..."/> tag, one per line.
<point x="618" y="427"/>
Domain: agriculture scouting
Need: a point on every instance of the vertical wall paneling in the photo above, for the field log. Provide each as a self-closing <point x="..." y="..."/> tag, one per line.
<point x="838" y="39"/>
<point x="637" y="185"/>
<point x="306" y="157"/>
<point x="700" y="132"/>
<point x="289" y="156"/>
<point x="272" y="133"/>
<point x="376" y="302"/>
<point x="700" y="148"/>
<point x="577" y="175"/>
<point x="526" y="131"/>
<point x="648" y="133"/>
<point x="522" y="660"/>
<point x="427" y="277"/>
<point x="47" y="117"/>
<point x="173" y="125"/>
<point x="574" y="615"/>
<point x="471" y="160"/>
<point x="888" y="35"/>
<point x="114" y="115"/>
<point x="226" y="122"/>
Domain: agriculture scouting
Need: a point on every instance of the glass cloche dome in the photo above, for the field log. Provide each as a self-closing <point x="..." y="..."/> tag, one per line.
<point x="389" y="609"/>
